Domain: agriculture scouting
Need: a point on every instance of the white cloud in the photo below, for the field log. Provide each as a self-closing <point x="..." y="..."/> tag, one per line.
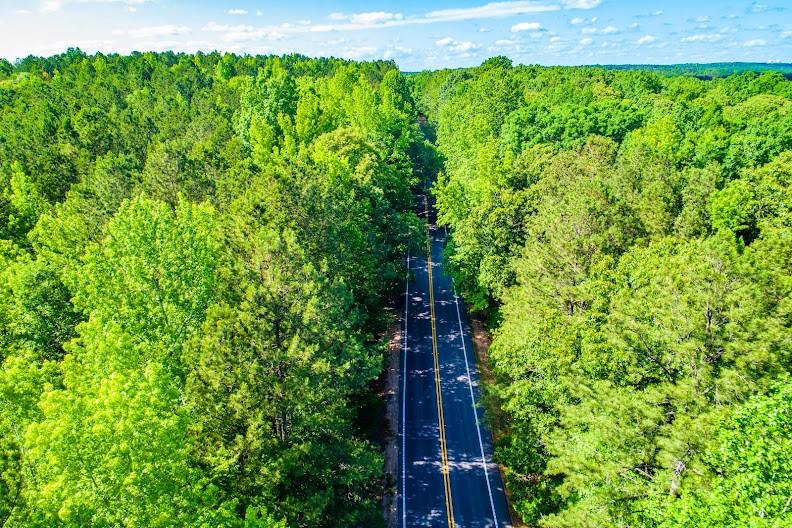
<point x="555" y="40"/>
<point x="581" y="4"/>
<point x="259" y="12"/>
<point x="454" y="45"/>
<point x="786" y="34"/>
<point x="237" y="12"/>
<point x="702" y="37"/>
<point x="577" y="21"/>
<point x="585" y="41"/>
<point x="376" y="17"/>
<point x="703" y="19"/>
<point x="588" y="30"/>
<point x="243" y="32"/>
<point x="754" y="42"/>
<point x="363" y="52"/>
<point x="657" y="13"/>
<point x="646" y="39"/>
<point x="53" y="6"/>
<point x="503" y="43"/>
<point x="609" y="30"/>
<point x="382" y="19"/>
<point x="526" y="26"/>
<point x="167" y="30"/>
<point x="397" y="52"/>
<point x="367" y="19"/>
<point x="634" y="25"/>
<point x="465" y="46"/>
<point x="214" y="27"/>
<point x="491" y="10"/>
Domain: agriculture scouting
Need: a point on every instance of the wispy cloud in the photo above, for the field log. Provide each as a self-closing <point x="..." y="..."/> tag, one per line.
<point x="646" y="39"/>
<point x="383" y="19"/>
<point x="491" y="10"/>
<point x="167" y="30"/>
<point x="237" y="12"/>
<point x="454" y="45"/>
<point x="53" y="6"/>
<point x="581" y="4"/>
<point x="758" y="8"/>
<point x="243" y="32"/>
<point x="754" y="42"/>
<point x="609" y="30"/>
<point x="374" y="17"/>
<point x="360" y="53"/>
<point x="526" y="26"/>
<point x="702" y="37"/>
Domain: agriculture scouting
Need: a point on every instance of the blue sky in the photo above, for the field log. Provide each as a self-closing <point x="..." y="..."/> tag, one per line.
<point x="416" y="34"/>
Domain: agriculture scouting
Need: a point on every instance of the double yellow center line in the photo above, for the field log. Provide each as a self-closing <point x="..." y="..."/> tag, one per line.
<point x="438" y="392"/>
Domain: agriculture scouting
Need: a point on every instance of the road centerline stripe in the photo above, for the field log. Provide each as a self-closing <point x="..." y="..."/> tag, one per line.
<point x="438" y="387"/>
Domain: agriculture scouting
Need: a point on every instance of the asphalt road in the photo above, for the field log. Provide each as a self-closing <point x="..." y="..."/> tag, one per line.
<point x="471" y="494"/>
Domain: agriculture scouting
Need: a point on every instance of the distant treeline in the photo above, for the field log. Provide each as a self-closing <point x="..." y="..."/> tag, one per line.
<point x="710" y="70"/>
<point x="703" y="71"/>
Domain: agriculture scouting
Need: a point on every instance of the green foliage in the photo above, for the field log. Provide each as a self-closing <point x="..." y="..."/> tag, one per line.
<point x="752" y="485"/>
<point x="731" y="208"/>
<point x="629" y="236"/>
<point x="196" y="253"/>
<point x="195" y="257"/>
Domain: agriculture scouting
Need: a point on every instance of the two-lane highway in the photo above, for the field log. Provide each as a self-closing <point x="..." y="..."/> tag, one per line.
<point x="446" y="477"/>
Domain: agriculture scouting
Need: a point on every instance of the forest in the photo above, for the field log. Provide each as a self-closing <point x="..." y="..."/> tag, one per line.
<point x="196" y="254"/>
<point x="628" y="236"/>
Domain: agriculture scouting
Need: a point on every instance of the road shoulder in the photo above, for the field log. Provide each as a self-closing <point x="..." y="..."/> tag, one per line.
<point x="390" y="392"/>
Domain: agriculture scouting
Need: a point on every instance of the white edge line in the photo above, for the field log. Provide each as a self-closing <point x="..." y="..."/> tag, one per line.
<point x="404" y="398"/>
<point x="475" y="411"/>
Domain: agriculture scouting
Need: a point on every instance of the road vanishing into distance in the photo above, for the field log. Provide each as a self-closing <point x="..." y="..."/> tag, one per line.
<point x="446" y="474"/>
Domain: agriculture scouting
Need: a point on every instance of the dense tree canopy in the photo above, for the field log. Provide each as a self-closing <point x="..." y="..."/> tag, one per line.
<point x="196" y="251"/>
<point x="629" y="236"/>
